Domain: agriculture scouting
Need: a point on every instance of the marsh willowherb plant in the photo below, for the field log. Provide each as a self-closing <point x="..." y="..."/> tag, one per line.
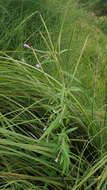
<point x="30" y="47"/>
<point x="46" y="124"/>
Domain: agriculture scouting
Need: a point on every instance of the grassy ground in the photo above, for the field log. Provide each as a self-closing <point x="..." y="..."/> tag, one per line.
<point x="53" y="97"/>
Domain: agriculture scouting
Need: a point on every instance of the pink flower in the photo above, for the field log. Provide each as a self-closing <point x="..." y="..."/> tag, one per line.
<point x="26" y="46"/>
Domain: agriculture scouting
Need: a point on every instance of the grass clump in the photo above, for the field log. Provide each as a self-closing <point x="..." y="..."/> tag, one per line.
<point x="53" y="109"/>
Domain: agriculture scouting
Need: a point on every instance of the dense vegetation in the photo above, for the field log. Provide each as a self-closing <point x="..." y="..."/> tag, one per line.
<point x="98" y="6"/>
<point x="53" y="95"/>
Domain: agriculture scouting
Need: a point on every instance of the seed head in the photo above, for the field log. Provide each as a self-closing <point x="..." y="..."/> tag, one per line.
<point x="38" y="66"/>
<point x="56" y="160"/>
<point x="44" y="129"/>
<point x="26" y="46"/>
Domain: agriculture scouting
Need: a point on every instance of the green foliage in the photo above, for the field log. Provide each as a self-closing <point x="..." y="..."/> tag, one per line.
<point x="98" y="6"/>
<point x="53" y="109"/>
